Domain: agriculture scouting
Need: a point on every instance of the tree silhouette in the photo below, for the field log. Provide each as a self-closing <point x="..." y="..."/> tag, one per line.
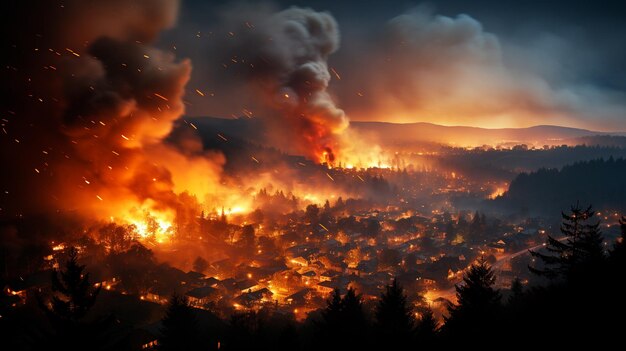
<point x="311" y="214"/>
<point x="619" y="249"/>
<point x="180" y="326"/>
<point x="477" y="300"/>
<point x="73" y="296"/>
<point x="517" y="290"/>
<point x="477" y="228"/>
<point x="581" y="246"/>
<point x="394" y="318"/>
<point x="343" y="320"/>
<point x="332" y="313"/>
<point x="248" y="240"/>
<point x="74" y="293"/>
<point x="352" y="312"/>
<point x="200" y="264"/>
<point x="427" y="328"/>
<point x="116" y="237"/>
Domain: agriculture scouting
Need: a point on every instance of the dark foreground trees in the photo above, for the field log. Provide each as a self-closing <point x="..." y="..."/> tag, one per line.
<point x="394" y="319"/>
<point x="180" y="327"/>
<point x="477" y="302"/>
<point x="579" y="249"/>
<point x="73" y="295"/>
<point x="344" y="322"/>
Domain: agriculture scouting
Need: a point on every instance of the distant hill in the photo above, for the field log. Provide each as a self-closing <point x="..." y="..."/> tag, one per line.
<point x="407" y="134"/>
<point x="414" y="134"/>
<point x="598" y="182"/>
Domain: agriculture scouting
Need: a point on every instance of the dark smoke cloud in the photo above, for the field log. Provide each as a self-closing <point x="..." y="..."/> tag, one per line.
<point x="282" y="56"/>
<point x="89" y="103"/>
<point x="428" y="67"/>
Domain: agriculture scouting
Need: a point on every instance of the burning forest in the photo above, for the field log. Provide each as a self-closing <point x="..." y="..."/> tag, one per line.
<point x="239" y="175"/>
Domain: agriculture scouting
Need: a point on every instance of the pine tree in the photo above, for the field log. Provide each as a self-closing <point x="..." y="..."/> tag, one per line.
<point x="73" y="297"/>
<point x="427" y="328"/>
<point x="180" y="326"/>
<point x="477" y="300"/>
<point x="332" y="313"/>
<point x="581" y="245"/>
<point x="619" y="249"/>
<point x="352" y="312"/>
<point x="343" y="320"/>
<point x="74" y="293"/>
<point x="394" y="318"/>
<point x="200" y="264"/>
<point x="517" y="290"/>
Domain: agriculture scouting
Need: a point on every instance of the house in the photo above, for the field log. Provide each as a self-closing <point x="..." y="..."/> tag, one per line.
<point x="340" y="282"/>
<point x="254" y="297"/>
<point x="108" y="284"/>
<point x="309" y="274"/>
<point x="368" y="266"/>
<point x="497" y="247"/>
<point x="201" y="296"/>
<point x="158" y="294"/>
<point x="328" y="275"/>
<point x="246" y="285"/>
<point x="304" y="250"/>
<point x="194" y="278"/>
<point x="300" y="298"/>
<point x="326" y="287"/>
<point x="211" y="281"/>
<point x="227" y="286"/>
<point x="299" y="261"/>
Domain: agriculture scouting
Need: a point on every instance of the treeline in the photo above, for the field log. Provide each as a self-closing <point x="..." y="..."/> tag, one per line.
<point x="503" y="164"/>
<point x="583" y="303"/>
<point x="600" y="182"/>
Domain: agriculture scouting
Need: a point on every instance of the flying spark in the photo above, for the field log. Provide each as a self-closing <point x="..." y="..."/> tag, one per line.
<point x="161" y="97"/>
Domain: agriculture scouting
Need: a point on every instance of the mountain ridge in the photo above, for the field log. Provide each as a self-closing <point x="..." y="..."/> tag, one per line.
<point x="411" y="134"/>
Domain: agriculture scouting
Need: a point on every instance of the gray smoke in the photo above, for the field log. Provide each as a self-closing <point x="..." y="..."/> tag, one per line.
<point x="284" y="58"/>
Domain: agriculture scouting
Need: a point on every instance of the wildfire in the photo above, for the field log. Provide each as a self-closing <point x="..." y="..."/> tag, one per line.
<point x="151" y="225"/>
<point x="236" y="210"/>
<point x="497" y="193"/>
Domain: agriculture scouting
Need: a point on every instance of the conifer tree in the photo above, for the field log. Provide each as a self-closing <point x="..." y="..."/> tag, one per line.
<point x="332" y="313"/>
<point x="343" y="320"/>
<point x="180" y="326"/>
<point x="619" y="249"/>
<point x="477" y="299"/>
<point x="394" y="318"/>
<point x="581" y="245"/>
<point x="427" y="328"/>
<point x="74" y="293"/>
<point x="73" y="296"/>
<point x="352" y="311"/>
<point x="517" y="290"/>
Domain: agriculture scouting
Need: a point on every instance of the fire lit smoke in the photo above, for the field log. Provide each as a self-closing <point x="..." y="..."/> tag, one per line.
<point x="90" y="103"/>
<point x="285" y="55"/>
<point x="452" y="70"/>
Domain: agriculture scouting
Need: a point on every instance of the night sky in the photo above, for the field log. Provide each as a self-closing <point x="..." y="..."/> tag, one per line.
<point x="554" y="62"/>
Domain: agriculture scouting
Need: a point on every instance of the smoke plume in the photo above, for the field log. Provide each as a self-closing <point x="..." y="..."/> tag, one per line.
<point x="427" y="67"/>
<point x="283" y="56"/>
<point x="90" y="103"/>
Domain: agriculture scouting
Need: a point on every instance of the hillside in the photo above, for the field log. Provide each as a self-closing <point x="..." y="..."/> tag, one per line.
<point x="407" y="134"/>
<point x="596" y="182"/>
<point x="413" y="134"/>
